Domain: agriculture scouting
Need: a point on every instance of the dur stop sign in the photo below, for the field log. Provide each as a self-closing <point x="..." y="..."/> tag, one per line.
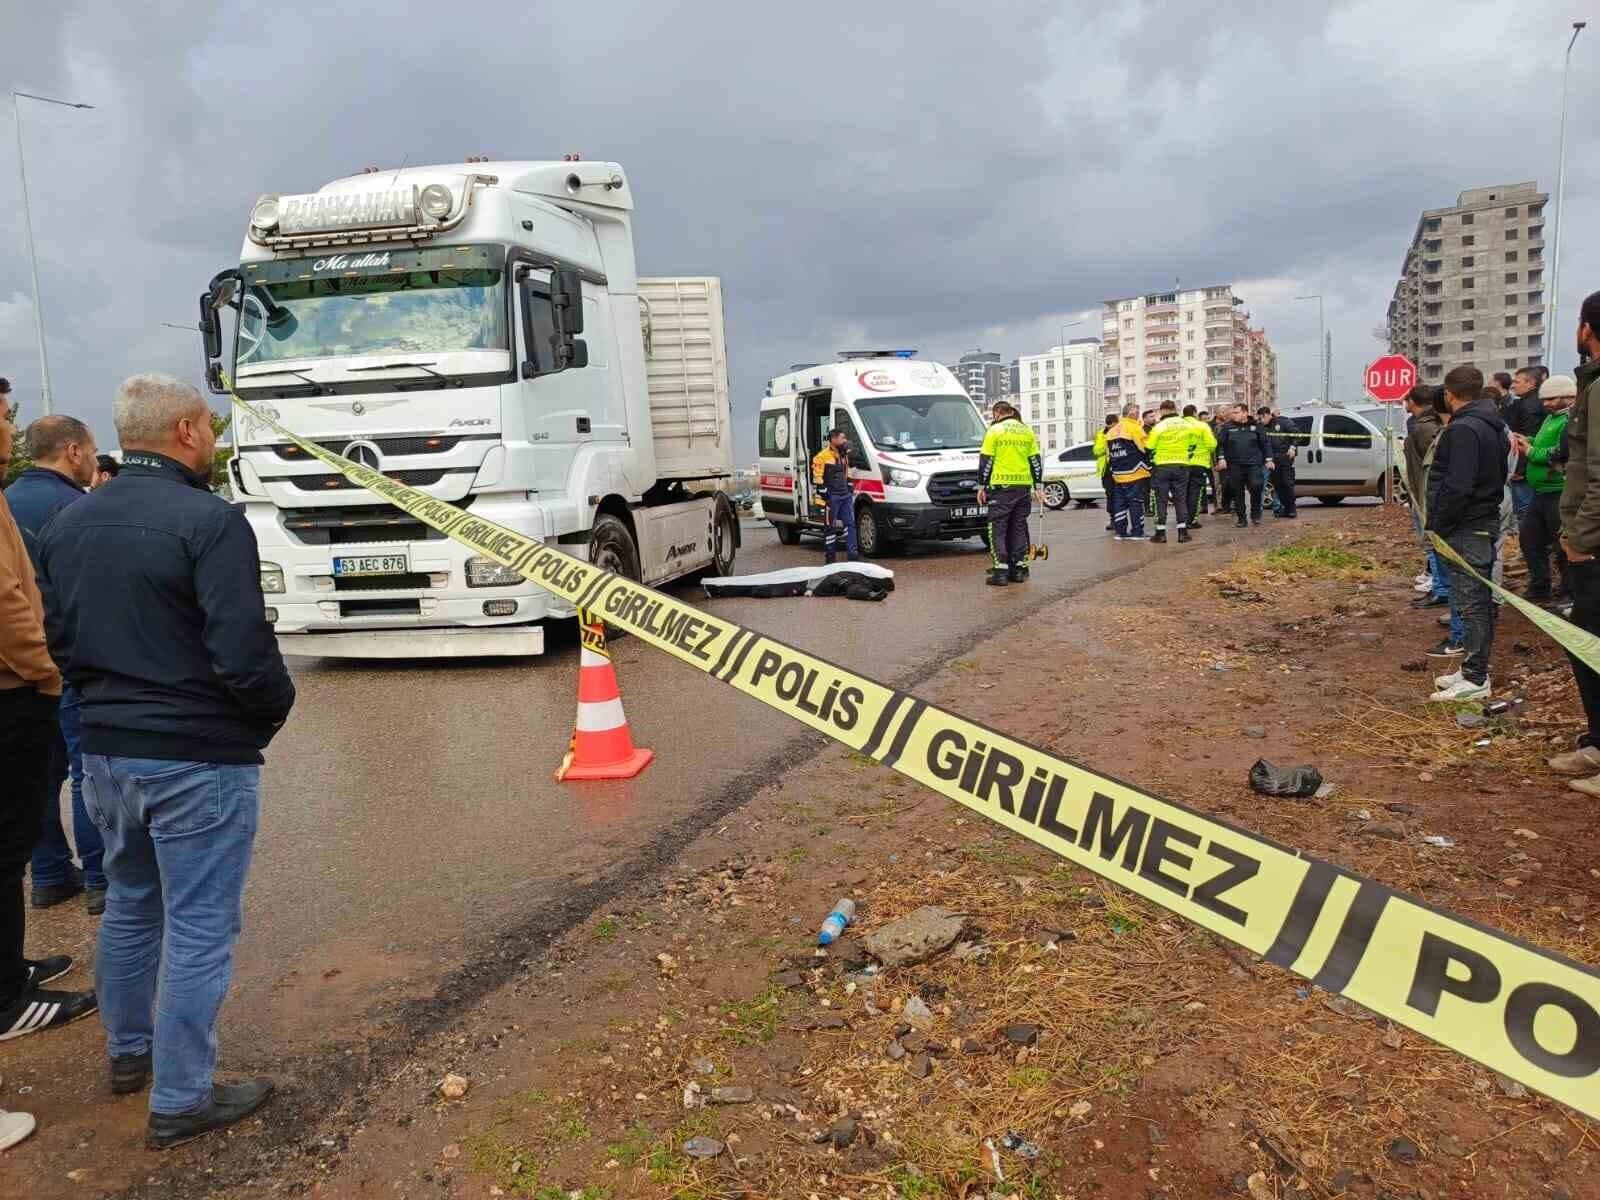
<point x="1389" y="378"/>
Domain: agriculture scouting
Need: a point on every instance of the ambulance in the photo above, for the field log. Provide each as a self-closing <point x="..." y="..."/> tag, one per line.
<point x="914" y="439"/>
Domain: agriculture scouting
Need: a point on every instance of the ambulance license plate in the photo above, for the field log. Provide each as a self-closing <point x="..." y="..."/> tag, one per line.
<point x="371" y="564"/>
<point x="975" y="510"/>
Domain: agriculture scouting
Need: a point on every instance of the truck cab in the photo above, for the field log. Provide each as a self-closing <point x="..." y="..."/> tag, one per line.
<point x="477" y="331"/>
<point x="914" y="440"/>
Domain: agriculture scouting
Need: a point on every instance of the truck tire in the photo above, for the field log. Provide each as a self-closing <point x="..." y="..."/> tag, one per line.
<point x="1330" y="499"/>
<point x="1056" y="496"/>
<point x="724" y="538"/>
<point x="788" y="532"/>
<point x="612" y="548"/>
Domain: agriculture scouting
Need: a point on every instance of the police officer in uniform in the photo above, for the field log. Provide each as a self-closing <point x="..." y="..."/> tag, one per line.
<point x="830" y="477"/>
<point x="1010" y="474"/>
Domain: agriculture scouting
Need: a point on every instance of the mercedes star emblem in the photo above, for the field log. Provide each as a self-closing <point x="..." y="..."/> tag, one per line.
<point x="365" y="453"/>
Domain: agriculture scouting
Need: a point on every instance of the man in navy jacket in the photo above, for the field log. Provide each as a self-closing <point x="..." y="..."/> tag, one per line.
<point x="64" y="464"/>
<point x="153" y="609"/>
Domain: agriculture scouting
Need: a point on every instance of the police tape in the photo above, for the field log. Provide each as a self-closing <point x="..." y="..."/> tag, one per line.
<point x="1528" y="1013"/>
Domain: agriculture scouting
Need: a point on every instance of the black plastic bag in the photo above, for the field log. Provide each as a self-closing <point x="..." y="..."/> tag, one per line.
<point x="1284" y="781"/>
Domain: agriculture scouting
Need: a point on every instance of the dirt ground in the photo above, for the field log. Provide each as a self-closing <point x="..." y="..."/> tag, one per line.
<point x="1132" y="1054"/>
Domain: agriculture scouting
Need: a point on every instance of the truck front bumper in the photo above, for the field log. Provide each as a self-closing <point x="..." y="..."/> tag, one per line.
<point x="492" y="641"/>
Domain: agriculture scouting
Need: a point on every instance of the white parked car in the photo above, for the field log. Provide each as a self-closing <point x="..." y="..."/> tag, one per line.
<point x="1070" y="477"/>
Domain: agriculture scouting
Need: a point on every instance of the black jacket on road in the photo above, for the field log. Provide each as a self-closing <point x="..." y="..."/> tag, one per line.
<point x="1468" y="476"/>
<point x="153" y="608"/>
<point x="1244" y="446"/>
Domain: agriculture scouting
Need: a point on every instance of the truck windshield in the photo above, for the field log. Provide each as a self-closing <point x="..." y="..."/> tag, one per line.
<point x="922" y="423"/>
<point x="414" y="312"/>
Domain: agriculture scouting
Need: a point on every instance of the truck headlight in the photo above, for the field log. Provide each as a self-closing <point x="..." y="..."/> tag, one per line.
<point x="905" y="479"/>
<point x="271" y="578"/>
<point x="436" y="201"/>
<point x="485" y="572"/>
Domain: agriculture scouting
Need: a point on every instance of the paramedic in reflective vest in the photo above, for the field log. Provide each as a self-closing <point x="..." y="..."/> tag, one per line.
<point x="830" y="479"/>
<point x="1010" y="473"/>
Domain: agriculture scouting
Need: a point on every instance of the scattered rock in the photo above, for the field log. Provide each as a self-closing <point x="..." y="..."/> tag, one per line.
<point x="82" y="1173"/>
<point x="921" y="1066"/>
<point x="1325" y="792"/>
<point x="1346" y="1008"/>
<point x="453" y="1087"/>
<point x="1384" y="829"/>
<point x="901" y="1029"/>
<point x="1254" y="731"/>
<point x="916" y="1043"/>
<point x="1425" y="777"/>
<point x="1080" y="1109"/>
<point x="667" y="965"/>
<point x="915" y="937"/>
<point x="1402" y="810"/>
<point x="1509" y="1087"/>
<point x="1022" y="1035"/>
<point x="1392" y="1038"/>
<point x="1403" y="1151"/>
<point x="731" y="1095"/>
<point x="971" y="952"/>
<point x="971" y="1046"/>
<point x="895" y="1051"/>
<point x="1469" y="720"/>
<point x="1415" y="665"/>
<point x="704" y="1066"/>
<point x="776" y="1093"/>
<point x="692" y="1096"/>
<point x="1052" y="937"/>
<point x="1258" y="1187"/>
<point x="702" y="1147"/>
<point x="918" y="1012"/>
<point x="825" y="1021"/>
<point x="841" y="1133"/>
<point x="1526" y="833"/>
<point x="789" y="979"/>
<point x="1158" y="1136"/>
<point x="449" y="1151"/>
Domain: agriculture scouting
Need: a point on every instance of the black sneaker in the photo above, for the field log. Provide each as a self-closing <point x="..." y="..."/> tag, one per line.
<point x="1445" y="649"/>
<point x="230" y="1103"/>
<point x="1431" y="602"/>
<point x="998" y="579"/>
<point x="58" y="893"/>
<point x="94" y="901"/>
<point x="1159" y="536"/>
<point x="1242" y="523"/>
<point x="129" y="1073"/>
<point x="1183" y="535"/>
<point x="40" y="1009"/>
<point x="42" y="970"/>
<point x="1018" y="575"/>
<point x="1194" y="524"/>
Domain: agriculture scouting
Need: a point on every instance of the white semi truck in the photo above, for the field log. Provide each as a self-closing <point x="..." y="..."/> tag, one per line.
<point x="478" y="331"/>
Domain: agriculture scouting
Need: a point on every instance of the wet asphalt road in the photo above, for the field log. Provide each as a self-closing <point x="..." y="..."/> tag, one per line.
<point x="409" y="816"/>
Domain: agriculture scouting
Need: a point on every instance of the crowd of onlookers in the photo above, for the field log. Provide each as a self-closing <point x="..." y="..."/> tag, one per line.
<point x="1488" y="459"/>
<point x="136" y="660"/>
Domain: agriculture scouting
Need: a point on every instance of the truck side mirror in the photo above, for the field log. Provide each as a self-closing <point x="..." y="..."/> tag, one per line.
<point x="566" y="312"/>
<point x="210" y="329"/>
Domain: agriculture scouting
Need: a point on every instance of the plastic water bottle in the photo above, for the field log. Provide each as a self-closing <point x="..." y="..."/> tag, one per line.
<point x="843" y="913"/>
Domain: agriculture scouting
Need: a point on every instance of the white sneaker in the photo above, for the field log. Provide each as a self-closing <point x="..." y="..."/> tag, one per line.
<point x="14" y="1127"/>
<point x="1424" y="585"/>
<point x="1462" y="689"/>
<point x="1450" y="680"/>
<point x="1425" y="577"/>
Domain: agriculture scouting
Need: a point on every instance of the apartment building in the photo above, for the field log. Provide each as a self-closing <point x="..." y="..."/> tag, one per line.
<point x="1261" y="370"/>
<point x="1190" y="346"/>
<point x="1471" y="287"/>
<point x="1060" y="393"/>
<point x="983" y="375"/>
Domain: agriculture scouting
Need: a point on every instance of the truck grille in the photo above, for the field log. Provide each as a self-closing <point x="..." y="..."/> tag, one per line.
<point x="954" y="487"/>
<point x="379" y="608"/>
<point x="380" y="583"/>
<point x="338" y="483"/>
<point x="386" y="445"/>
<point x="359" y="524"/>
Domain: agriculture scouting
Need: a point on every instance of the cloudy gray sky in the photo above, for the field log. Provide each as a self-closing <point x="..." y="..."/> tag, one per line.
<point x="916" y="173"/>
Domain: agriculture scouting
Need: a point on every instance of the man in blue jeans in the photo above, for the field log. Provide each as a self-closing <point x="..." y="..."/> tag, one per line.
<point x="153" y="610"/>
<point x="1465" y="486"/>
<point x="64" y="465"/>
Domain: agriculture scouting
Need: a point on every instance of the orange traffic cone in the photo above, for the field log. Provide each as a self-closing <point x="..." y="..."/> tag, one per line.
<point x="601" y="747"/>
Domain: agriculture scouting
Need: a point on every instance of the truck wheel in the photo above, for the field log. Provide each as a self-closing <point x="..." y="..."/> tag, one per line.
<point x="788" y="532"/>
<point x="611" y="548"/>
<point x="724" y="539"/>
<point x="1056" y="496"/>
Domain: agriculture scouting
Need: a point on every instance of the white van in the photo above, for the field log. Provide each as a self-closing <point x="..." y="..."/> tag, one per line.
<point x="914" y="441"/>
<point x="1342" y="451"/>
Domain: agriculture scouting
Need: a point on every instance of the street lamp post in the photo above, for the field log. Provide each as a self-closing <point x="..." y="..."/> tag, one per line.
<point x="27" y="229"/>
<point x="1561" y="182"/>
<point x="1322" y="345"/>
